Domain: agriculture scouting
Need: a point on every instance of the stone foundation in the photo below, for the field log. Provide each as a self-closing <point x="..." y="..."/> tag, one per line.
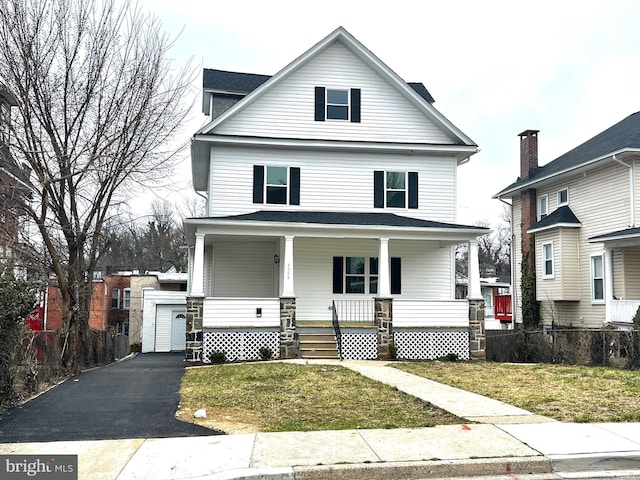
<point x="193" y="352"/>
<point x="289" y="345"/>
<point x="384" y="324"/>
<point x="477" y="337"/>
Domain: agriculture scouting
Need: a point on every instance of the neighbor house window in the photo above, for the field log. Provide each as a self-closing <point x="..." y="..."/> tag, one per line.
<point x="337" y="104"/>
<point x="547" y="259"/>
<point x="277" y="185"/>
<point x="543" y="207"/>
<point x="597" y="279"/>
<point x="126" y="298"/>
<point x="563" y="197"/>
<point x="395" y="189"/>
<point x="115" y="298"/>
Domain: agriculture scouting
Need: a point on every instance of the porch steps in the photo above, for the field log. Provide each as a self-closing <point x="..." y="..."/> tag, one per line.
<point x="317" y="340"/>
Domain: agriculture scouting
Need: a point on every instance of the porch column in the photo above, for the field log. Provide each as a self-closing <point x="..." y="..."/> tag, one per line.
<point x="287" y="288"/>
<point x="197" y="281"/>
<point x="474" y="292"/>
<point x="384" y="277"/>
<point x="608" y="283"/>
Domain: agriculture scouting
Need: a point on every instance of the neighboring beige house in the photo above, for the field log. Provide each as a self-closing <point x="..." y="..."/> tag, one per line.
<point x="579" y="216"/>
<point x="156" y="300"/>
<point x="330" y="225"/>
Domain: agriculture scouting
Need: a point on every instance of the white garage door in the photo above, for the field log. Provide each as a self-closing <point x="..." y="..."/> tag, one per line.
<point x="170" y="328"/>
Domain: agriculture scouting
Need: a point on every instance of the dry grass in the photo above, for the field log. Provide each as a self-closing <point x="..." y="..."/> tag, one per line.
<point x="565" y="393"/>
<point x="273" y="397"/>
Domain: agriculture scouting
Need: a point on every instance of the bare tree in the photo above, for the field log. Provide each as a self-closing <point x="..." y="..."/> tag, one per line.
<point x="98" y="106"/>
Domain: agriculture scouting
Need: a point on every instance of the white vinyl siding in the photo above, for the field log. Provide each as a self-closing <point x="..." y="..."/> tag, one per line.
<point x="631" y="273"/>
<point x="241" y="312"/>
<point x="287" y="110"/>
<point x="333" y="181"/>
<point x="430" y="313"/>
<point x="244" y="269"/>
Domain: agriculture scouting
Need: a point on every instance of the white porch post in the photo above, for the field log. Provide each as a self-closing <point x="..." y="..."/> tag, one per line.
<point x="197" y="285"/>
<point x="384" y="277"/>
<point x="608" y="283"/>
<point x="474" y="292"/>
<point x="287" y="288"/>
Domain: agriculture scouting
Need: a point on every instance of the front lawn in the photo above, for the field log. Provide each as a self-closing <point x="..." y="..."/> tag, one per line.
<point x="275" y="397"/>
<point x="565" y="393"/>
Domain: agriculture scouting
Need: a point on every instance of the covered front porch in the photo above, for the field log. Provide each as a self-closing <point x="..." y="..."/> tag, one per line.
<point x="256" y="282"/>
<point x="621" y="272"/>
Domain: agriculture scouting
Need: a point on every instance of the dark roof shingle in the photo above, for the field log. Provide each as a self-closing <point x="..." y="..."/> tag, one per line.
<point x="561" y="216"/>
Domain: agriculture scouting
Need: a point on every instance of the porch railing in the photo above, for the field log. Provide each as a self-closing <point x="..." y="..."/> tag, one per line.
<point x="336" y="328"/>
<point x="623" y="311"/>
<point x="355" y="311"/>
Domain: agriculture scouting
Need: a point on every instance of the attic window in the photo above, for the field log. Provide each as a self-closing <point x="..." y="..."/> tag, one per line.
<point x="337" y="104"/>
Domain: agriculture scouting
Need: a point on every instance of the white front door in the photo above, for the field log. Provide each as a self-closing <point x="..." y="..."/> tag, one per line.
<point x="178" y="329"/>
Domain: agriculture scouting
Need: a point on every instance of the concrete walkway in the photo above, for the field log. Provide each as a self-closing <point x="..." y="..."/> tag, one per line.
<point x="508" y="442"/>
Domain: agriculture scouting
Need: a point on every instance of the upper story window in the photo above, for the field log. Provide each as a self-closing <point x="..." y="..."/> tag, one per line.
<point x="547" y="260"/>
<point x="543" y="206"/>
<point x="337" y="104"/>
<point x="395" y="189"/>
<point x="277" y="185"/>
<point x="115" y="298"/>
<point x="126" y="298"/>
<point x="597" y="279"/>
<point x="563" y="197"/>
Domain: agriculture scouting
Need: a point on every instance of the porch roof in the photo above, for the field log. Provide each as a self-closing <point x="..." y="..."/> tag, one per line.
<point x="375" y="223"/>
<point x="561" y="217"/>
<point x="619" y="238"/>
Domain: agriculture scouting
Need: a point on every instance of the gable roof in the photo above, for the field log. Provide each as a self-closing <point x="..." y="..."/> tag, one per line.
<point x="341" y="35"/>
<point x="560" y="217"/>
<point x="622" y="137"/>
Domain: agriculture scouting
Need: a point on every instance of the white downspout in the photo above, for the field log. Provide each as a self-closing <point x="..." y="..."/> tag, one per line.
<point x="632" y="195"/>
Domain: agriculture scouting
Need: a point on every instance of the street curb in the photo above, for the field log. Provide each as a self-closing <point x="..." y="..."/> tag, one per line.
<point x="426" y="469"/>
<point x="596" y="462"/>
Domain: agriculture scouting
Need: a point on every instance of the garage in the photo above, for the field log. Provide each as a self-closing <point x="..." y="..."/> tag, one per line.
<point x="164" y="321"/>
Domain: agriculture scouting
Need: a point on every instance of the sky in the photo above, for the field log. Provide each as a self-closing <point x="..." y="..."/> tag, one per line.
<point x="495" y="68"/>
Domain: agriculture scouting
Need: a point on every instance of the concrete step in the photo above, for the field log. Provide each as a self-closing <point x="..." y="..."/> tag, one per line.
<point x="317" y="337"/>
<point x="319" y="353"/>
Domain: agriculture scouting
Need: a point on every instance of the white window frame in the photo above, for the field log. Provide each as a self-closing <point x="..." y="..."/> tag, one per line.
<point x="546" y="259"/>
<point x="329" y="104"/>
<point x="285" y="187"/>
<point x="388" y="190"/>
<point x="593" y="278"/>
<point x="368" y="276"/>
<point x="126" y="299"/>
<point x="542" y="214"/>
<point x="561" y="203"/>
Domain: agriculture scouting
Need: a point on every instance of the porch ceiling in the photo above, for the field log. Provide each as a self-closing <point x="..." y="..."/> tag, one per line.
<point x="331" y="225"/>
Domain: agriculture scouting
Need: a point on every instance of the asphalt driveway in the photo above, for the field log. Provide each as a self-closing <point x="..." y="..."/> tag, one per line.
<point x="136" y="398"/>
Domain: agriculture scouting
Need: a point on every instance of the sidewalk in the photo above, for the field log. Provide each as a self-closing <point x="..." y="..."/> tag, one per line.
<point x="506" y="441"/>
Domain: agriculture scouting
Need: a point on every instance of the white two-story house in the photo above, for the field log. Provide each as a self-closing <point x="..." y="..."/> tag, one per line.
<point x="331" y="209"/>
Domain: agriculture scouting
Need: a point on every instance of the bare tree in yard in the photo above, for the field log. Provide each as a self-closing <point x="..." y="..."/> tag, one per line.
<point x="98" y="104"/>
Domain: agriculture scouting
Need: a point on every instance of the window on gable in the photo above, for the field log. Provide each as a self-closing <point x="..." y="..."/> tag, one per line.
<point x="276" y="185"/>
<point x="563" y="197"/>
<point x="597" y="279"/>
<point x="543" y="206"/>
<point x="547" y="260"/>
<point x="395" y="189"/>
<point x="337" y="104"/>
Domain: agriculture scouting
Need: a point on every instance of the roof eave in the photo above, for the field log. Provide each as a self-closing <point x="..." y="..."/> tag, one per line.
<point x="555" y="225"/>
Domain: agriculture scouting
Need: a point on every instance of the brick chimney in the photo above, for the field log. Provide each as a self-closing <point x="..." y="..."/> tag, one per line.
<point x="528" y="199"/>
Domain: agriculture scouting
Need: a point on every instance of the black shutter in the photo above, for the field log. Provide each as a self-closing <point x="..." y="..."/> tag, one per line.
<point x="320" y="104"/>
<point x="378" y="189"/>
<point x="258" y="184"/>
<point x="413" y="189"/>
<point x="294" y="180"/>
<point x="396" y="276"/>
<point x="337" y="275"/>
<point x="355" y="105"/>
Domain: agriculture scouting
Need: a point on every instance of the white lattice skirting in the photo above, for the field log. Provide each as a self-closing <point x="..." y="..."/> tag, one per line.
<point x="419" y="344"/>
<point x="240" y="344"/>
<point x="359" y="346"/>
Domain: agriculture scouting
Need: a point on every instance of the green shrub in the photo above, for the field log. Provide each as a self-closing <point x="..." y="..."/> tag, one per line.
<point x="265" y="353"/>
<point x="217" y="357"/>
